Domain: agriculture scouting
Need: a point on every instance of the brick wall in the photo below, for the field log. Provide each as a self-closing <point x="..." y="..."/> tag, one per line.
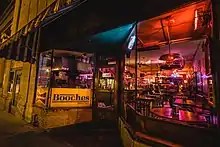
<point x="61" y="117"/>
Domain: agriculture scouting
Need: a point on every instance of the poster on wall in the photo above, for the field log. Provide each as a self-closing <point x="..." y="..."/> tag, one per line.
<point x="41" y="96"/>
<point x="71" y="97"/>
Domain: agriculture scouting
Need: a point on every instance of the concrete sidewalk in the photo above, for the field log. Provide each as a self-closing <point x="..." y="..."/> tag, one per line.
<point x="17" y="133"/>
<point x="10" y="125"/>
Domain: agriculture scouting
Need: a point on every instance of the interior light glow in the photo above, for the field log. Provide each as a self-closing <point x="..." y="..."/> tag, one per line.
<point x="196" y="20"/>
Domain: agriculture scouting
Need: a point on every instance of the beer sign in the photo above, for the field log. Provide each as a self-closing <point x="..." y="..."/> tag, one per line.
<point x="71" y="97"/>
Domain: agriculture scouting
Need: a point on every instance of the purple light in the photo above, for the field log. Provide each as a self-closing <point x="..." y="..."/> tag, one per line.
<point x="174" y="75"/>
<point x="206" y="76"/>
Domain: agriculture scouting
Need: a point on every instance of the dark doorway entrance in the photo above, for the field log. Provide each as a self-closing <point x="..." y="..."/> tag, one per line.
<point x="104" y="88"/>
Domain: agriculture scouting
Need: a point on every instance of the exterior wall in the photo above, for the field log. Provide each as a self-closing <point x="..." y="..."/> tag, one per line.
<point x="24" y="99"/>
<point x="23" y="109"/>
<point x="2" y="69"/>
<point x="27" y="10"/>
<point x="47" y="118"/>
<point x="5" y="96"/>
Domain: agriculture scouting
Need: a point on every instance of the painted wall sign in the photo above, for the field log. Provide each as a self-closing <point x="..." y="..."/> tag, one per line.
<point x="71" y="97"/>
<point x="41" y="96"/>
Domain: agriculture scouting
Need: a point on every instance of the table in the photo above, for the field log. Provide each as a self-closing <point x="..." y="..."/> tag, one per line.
<point x="180" y="97"/>
<point x="185" y="116"/>
<point x="146" y="98"/>
<point x="184" y="102"/>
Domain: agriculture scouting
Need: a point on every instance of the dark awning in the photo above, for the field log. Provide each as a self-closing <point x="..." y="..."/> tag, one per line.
<point x="97" y="16"/>
<point x="108" y="42"/>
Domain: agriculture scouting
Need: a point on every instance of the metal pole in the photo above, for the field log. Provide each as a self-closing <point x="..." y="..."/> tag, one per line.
<point x="136" y="67"/>
<point x="37" y="62"/>
<point x="95" y="85"/>
<point x="50" y="82"/>
<point x="136" y="63"/>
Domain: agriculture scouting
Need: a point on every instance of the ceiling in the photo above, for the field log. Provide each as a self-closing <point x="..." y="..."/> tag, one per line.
<point x="71" y="53"/>
<point x="181" y="24"/>
<point x="186" y="49"/>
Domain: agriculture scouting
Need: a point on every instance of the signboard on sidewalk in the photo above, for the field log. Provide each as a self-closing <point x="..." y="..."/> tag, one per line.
<point x="71" y="97"/>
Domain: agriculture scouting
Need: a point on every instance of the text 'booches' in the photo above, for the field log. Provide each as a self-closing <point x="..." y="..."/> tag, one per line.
<point x="70" y="97"/>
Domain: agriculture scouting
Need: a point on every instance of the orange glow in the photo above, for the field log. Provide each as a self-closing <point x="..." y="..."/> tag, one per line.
<point x="172" y="21"/>
<point x="196" y="20"/>
<point x="182" y="23"/>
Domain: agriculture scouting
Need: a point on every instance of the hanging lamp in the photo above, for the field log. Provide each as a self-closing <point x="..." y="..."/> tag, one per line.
<point x="172" y="60"/>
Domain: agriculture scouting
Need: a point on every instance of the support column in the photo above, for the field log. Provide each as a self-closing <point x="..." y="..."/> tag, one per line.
<point x="2" y="69"/>
<point x="5" y="85"/>
<point x="24" y="88"/>
<point x="30" y="94"/>
<point x="215" y="52"/>
<point x="95" y="86"/>
<point x="118" y="98"/>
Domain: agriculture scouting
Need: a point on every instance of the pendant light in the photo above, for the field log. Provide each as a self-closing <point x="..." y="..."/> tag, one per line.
<point x="172" y="60"/>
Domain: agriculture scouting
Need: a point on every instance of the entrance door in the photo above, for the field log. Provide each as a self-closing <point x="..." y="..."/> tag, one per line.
<point x="14" y="87"/>
<point x="105" y="92"/>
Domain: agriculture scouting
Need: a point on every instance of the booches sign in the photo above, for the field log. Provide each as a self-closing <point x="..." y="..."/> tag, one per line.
<point x="68" y="97"/>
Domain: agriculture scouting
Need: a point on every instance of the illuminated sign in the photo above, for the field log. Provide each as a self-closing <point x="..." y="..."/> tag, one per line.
<point x="198" y="21"/>
<point x="131" y="42"/>
<point x="41" y="96"/>
<point x="106" y="75"/>
<point x="71" y="97"/>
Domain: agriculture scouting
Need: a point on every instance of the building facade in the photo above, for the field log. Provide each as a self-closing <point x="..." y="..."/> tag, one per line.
<point x="18" y="69"/>
<point x="20" y="24"/>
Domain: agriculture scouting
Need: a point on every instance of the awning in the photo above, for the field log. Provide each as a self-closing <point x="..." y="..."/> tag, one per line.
<point x="107" y="42"/>
<point x="112" y="40"/>
<point x="99" y="16"/>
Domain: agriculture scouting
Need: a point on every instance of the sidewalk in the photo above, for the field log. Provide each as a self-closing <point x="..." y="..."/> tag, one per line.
<point x="16" y="133"/>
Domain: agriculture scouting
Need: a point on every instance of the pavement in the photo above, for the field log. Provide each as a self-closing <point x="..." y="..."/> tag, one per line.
<point x="17" y="133"/>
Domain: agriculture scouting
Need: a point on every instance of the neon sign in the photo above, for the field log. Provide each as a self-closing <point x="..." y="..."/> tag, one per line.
<point x="131" y="42"/>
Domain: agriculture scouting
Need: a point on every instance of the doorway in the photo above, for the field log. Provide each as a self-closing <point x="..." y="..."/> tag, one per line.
<point x="14" y="88"/>
<point x="105" y="89"/>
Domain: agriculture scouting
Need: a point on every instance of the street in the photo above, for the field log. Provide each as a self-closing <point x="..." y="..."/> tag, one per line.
<point x="16" y="133"/>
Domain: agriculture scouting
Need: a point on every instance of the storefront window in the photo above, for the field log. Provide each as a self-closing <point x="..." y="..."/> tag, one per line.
<point x="17" y="82"/>
<point x="129" y="76"/>
<point x="65" y="79"/>
<point x="44" y="74"/>
<point x="44" y="69"/>
<point x="71" y="70"/>
<point x="107" y="78"/>
<point x="11" y="81"/>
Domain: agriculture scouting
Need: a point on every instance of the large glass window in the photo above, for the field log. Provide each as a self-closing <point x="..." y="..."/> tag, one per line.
<point x="71" y="70"/>
<point x="44" y="69"/>
<point x="63" y="69"/>
<point x="11" y="81"/>
<point x="44" y="76"/>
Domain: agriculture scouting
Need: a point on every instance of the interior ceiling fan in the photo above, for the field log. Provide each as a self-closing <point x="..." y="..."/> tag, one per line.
<point x="172" y="60"/>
